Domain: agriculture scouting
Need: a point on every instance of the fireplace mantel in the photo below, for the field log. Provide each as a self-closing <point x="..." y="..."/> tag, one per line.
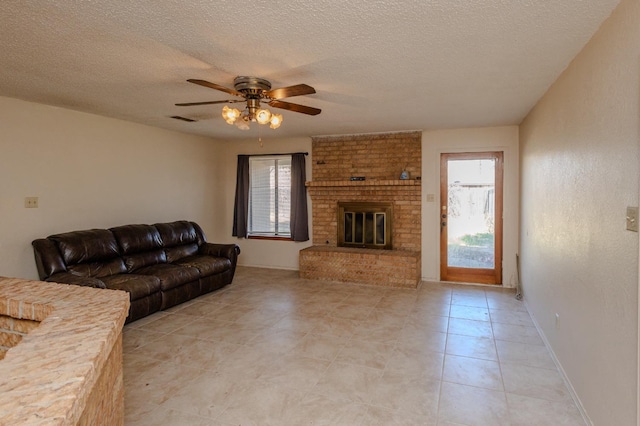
<point x="363" y="183"/>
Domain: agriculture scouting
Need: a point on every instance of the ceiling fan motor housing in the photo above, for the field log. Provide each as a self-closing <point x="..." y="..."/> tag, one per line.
<point x="252" y="87"/>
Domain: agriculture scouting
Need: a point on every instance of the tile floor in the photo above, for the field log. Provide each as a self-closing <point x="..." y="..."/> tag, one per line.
<point x="272" y="349"/>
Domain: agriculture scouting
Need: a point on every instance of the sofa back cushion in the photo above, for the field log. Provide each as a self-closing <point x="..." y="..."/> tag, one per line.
<point x="180" y="239"/>
<point x="177" y="233"/>
<point x="94" y="245"/>
<point x="141" y="246"/>
<point x="137" y="238"/>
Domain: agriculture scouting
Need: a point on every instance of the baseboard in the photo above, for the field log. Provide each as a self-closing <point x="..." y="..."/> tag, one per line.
<point x="284" y="268"/>
<point x="563" y="374"/>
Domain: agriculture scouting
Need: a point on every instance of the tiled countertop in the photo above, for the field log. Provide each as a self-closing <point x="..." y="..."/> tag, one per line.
<point x="47" y="378"/>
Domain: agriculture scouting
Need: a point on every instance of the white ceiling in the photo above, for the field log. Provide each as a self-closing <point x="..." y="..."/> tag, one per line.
<point x="377" y="66"/>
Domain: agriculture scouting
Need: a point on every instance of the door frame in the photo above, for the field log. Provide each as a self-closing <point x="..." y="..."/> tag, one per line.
<point x="472" y="275"/>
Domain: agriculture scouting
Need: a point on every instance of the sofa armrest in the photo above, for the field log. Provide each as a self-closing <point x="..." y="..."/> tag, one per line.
<point x="69" y="278"/>
<point x="230" y="251"/>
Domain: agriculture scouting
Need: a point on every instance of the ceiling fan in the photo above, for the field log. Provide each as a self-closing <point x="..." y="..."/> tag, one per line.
<point x="254" y="90"/>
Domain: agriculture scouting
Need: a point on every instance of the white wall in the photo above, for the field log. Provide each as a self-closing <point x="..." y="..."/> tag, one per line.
<point x="260" y="253"/>
<point x="579" y="168"/>
<point x="91" y="171"/>
<point x="437" y="142"/>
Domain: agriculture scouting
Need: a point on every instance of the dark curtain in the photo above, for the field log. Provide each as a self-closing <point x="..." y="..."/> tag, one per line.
<point x="299" y="216"/>
<point x="241" y="206"/>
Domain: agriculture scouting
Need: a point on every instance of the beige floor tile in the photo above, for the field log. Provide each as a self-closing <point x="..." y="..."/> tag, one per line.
<point x="469" y="312"/>
<point x="516" y="333"/>
<point x="527" y="411"/>
<point x="424" y="341"/>
<point x="416" y="395"/>
<point x="277" y="340"/>
<point x="473" y="328"/>
<point x="474" y="347"/>
<point x="187" y="350"/>
<point x="411" y="363"/>
<point x="534" y="382"/>
<point x="318" y="410"/>
<point x="349" y="311"/>
<point x="318" y="347"/>
<point x="347" y="382"/>
<point x="154" y="415"/>
<point x="475" y="299"/>
<point x="135" y="338"/>
<point x="196" y="308"/>
<point x="378" y="416"/>
<point x="260" y="405"/>
<point x="504" y="316"/>
<point x="473" y="372"/>
<point x="431" y="308"/>
<point x="472" y="406"/>
<point x="206" y="396"/>
<point x="521" y="353"/>
<point x="379" y="330"/>
<point x="293" y="372"/>
<point x="337" y="327"/>
<point x="169" y="323"/>
<point x="365" y="353"/>
<point x="422" y="323"/>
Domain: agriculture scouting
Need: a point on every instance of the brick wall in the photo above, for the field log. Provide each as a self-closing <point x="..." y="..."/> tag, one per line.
<point x="380" y="158"/>
<point x="12" y="330"/>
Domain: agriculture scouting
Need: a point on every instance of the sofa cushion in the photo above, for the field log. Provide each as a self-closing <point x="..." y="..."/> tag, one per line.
<point x="207" y="265"/>
<point x="140" y="260"/>
<point x="178" y="252"/>
<point x="86" y="246"/>
<point x="137" y="238"/>
<point x="98" y="269"/>
<point x="138" y="286"/>
<point x="170" y="276"/>
<point x="177" y="233"/>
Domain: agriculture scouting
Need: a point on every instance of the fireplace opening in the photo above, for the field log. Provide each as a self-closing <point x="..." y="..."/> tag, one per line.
<point x="365" y="225"/>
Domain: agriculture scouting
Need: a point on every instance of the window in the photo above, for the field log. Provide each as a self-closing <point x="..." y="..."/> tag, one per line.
<point x="270" y="196"/>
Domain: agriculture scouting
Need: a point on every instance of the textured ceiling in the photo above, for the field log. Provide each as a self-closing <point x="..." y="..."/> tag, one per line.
<point x="377" y="66"/>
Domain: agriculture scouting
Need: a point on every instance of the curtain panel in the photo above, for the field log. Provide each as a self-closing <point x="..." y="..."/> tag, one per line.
<point x="241" y="205"/>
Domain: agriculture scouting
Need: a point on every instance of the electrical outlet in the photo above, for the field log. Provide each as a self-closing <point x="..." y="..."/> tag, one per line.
<point x="431" y="198"/>
<point x="31" y="202"/>
<point x="632" y="219"/>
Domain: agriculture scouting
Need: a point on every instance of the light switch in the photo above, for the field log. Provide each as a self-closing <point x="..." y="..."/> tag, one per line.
<point x="632" y="219"/>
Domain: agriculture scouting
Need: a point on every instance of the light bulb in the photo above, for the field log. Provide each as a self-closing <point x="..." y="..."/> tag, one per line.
<point x="276" y="121"/>
<point x="263" y="116"/>
<point x="230" y="114"/>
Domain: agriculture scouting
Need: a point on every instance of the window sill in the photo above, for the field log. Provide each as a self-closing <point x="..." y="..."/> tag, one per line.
<point x="269" y="237"/>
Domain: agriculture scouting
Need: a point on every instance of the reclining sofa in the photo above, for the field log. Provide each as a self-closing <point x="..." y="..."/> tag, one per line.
<point x="159" y="265"/>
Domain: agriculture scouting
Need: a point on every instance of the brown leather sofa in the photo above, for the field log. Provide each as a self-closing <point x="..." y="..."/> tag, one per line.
<point x="159" y="265"/>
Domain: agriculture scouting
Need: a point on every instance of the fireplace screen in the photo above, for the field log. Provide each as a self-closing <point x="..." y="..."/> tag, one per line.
<point x="366" y="225"/>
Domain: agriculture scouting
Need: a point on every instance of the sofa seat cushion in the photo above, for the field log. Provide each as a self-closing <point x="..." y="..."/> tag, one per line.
<point x="170" y="276"/>
<point x="207" y="265"/>
<point x="138" y="286"/>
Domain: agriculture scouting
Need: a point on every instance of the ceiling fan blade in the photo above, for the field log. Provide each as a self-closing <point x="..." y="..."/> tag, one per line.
<point x="214" y="86"/>
<point x="295" y="107"/>
<point x="227" y="101"/>
<point x="287" y="92"/>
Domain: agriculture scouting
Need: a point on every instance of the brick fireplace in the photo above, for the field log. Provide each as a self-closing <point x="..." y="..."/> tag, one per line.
<point x="379" y="159"/>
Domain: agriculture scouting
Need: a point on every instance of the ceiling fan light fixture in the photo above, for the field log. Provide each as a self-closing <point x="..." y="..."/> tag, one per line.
<point x="230" y="114"/>
<point x="263" y="116"/>
<point x="276" y="121"/>
<point x="242" y="124"/>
